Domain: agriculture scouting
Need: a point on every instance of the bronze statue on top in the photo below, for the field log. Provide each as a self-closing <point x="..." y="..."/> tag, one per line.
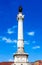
<point x="20" y="9"/>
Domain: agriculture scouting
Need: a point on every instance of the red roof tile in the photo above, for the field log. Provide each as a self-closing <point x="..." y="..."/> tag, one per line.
<point x="6" y="63"/>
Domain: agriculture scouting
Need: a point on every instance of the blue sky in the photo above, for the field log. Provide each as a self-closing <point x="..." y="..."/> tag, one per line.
<point x="32" y="9"/>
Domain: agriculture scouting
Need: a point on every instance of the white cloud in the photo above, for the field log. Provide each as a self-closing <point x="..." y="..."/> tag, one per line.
<point x="31" y="33"/>
<point x="8" y="40"/>
<point x="11" y="30"/>
<point x="10" y="60"/>
<point x="36" y="47"/>
<point x="4" y="38"/>
<point x="26" y="42"/>
<point x="15" y="41"/>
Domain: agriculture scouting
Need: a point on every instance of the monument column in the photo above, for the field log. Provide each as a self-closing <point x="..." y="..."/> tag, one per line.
<point x="20" y="19"/>
<point x="20" y="57"/>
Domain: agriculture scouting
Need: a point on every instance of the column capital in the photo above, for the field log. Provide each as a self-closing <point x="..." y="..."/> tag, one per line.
<point x="20" y="16"/>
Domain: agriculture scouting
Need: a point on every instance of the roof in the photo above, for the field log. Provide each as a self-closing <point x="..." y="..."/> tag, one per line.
<point x="9" y="63"/>
<point x="6" y="63"/>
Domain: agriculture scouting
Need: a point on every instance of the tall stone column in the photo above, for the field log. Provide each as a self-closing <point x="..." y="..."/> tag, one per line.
<point x="20" y="43"/>
<point x="20" y="57"/>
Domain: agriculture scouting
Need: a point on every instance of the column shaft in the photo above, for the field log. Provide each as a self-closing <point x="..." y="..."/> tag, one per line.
<point x="20" y="33"/>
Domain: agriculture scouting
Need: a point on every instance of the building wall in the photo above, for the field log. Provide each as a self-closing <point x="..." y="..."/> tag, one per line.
<point x="21" y="63"/>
